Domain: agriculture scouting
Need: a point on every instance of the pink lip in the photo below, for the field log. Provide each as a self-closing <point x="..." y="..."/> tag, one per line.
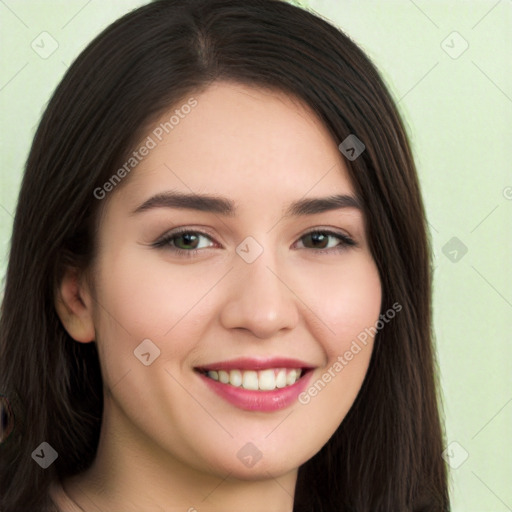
<point x="246" y="363"/>
<point x="249" y="400"/>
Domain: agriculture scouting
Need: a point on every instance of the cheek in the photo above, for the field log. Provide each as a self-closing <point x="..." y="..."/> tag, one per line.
<point x="157" y="301"/>
<point x="164" y="304"/>
<point x="348" y="302"/>
<point x="346" y="299"/>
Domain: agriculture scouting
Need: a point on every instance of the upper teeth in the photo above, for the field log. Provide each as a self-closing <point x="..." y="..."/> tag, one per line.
<point x="266" y="380"/>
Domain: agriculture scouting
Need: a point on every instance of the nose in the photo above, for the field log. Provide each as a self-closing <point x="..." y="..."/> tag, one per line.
<point x="260" y="299"/>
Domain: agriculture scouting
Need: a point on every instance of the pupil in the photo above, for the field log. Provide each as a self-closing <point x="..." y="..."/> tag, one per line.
<point x="316" y="237"/>
<point x="188" y="238"/>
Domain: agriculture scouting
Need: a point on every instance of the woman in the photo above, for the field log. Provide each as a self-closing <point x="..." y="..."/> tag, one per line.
<point x="219" y="288"/>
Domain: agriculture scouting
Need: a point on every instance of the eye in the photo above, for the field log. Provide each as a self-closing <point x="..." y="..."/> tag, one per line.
<point x="321" y="239"/>
<point x="184" y="242"/>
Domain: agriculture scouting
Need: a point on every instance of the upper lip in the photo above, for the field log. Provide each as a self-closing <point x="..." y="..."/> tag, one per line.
<point x="253" y="363"/>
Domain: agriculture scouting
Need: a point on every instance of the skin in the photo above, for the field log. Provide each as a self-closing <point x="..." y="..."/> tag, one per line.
<point x="167" y="441"/>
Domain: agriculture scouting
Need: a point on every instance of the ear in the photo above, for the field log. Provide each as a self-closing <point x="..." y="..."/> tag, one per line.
<point x="73" y="302"/>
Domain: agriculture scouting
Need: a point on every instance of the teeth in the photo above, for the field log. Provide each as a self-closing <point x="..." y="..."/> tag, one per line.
<point x="235" y="378"/>
<point x="291" y="377"/>
<point x="267" y="380"/>
<point x="250" y="380"/>
<point x="264" y="380"/>
<point x="281" y="378"/>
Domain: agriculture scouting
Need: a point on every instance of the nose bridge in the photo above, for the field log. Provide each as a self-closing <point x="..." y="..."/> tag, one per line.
<point x="260" y="301"/>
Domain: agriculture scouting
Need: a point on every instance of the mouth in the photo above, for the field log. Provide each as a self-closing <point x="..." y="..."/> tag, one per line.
<point x="257" y="384"/>
<point x="261" y="380"/>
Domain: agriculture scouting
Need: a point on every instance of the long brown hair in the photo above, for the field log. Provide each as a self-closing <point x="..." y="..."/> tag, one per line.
<point x="386" y="454"/>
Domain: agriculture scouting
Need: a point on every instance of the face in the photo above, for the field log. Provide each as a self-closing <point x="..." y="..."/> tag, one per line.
<point x="224" y="326"/>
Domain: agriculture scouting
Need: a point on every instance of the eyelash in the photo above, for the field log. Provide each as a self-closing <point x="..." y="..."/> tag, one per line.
<point x="165" y="241"/>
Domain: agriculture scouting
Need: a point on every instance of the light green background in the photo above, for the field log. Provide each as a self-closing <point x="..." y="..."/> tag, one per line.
<point x="458" y="112"/>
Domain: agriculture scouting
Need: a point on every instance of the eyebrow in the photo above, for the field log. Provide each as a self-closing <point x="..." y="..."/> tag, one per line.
<point x="227" y="207"/>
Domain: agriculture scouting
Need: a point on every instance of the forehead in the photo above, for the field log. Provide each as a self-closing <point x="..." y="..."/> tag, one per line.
<point x="250" y="144"/>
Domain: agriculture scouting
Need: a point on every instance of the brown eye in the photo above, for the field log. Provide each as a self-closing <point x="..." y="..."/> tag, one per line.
<point x="185" y="242"/>
<point x="323" y="240"/>
<point x="188" y="239"/>
<point x="317" y="239"/>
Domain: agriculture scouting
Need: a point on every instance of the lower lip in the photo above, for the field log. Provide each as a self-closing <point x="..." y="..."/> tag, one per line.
<point x="266" y="401"/>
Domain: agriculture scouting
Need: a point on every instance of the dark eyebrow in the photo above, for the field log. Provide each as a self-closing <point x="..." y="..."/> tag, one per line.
<point x="200" y="202"/>
<point x="323" y="204"/>
<point x="226" y="207"/>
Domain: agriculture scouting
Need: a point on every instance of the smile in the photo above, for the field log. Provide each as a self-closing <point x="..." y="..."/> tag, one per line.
<point x="263" y="380"/>
<point x="254" y="384"/>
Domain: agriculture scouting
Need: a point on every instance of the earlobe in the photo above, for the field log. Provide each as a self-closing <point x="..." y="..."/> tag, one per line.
<point x="73" y="303"/>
